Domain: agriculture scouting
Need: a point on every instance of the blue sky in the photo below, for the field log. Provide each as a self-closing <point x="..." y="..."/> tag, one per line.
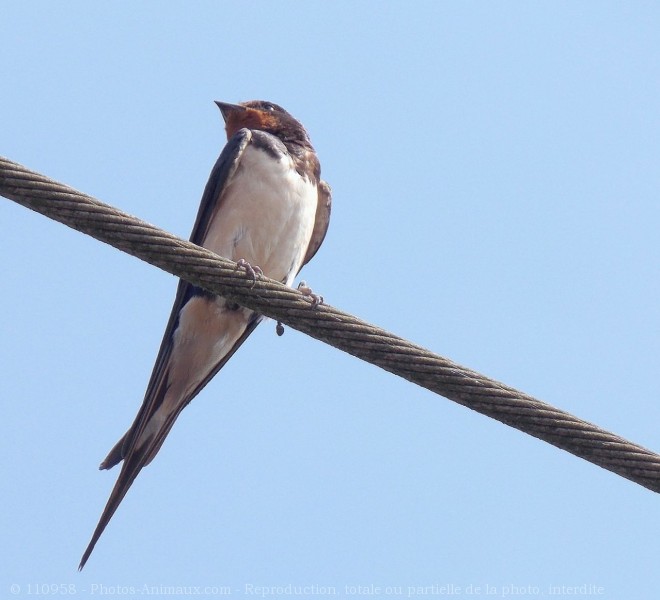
<point x="496" y="183"/>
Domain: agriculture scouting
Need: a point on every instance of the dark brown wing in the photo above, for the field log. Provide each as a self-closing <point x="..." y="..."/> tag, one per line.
<point x="135" y="459"/>
<point x="222" y="172"/>
<point x="322" y="220"/>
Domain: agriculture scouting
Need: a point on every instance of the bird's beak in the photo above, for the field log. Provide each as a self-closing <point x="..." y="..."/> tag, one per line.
<point x="227" y="109"/>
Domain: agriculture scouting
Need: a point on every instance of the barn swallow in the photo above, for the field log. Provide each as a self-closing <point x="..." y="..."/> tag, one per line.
<point x="264" y="205"/>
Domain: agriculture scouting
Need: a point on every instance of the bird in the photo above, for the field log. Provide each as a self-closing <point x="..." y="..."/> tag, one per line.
<point x="265" y="207"/>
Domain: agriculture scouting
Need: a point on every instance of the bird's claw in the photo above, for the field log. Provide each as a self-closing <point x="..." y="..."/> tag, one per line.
<point x="250" y="271"/>
<point x="306" y="291"/>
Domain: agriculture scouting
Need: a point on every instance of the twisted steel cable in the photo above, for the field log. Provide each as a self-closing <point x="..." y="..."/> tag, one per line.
<point x="330" y="325"/>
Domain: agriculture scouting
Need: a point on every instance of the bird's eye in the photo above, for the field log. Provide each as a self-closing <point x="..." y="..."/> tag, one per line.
<point x="268" y="106"/>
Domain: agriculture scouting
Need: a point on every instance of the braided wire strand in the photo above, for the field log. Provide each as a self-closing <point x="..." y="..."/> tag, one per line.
<point x="330" y="325"/>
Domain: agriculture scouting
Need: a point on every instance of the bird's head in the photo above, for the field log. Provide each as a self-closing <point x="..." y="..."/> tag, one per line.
<point x="264" y="116"/>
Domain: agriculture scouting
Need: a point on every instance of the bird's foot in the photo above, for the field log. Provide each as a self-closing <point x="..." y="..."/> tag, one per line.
<point x="250" y="271"/>
<point x="306" y="291"/>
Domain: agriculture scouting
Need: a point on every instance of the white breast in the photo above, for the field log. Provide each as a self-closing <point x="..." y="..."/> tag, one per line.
<point x="266" y="215"/>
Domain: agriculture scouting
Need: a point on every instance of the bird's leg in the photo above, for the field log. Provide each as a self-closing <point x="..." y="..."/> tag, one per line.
<point x="250" y="271"/>
<point x="308" y="293"/>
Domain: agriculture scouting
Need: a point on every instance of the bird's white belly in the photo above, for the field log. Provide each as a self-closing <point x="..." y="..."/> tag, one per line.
<point x="266" y="216"/>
